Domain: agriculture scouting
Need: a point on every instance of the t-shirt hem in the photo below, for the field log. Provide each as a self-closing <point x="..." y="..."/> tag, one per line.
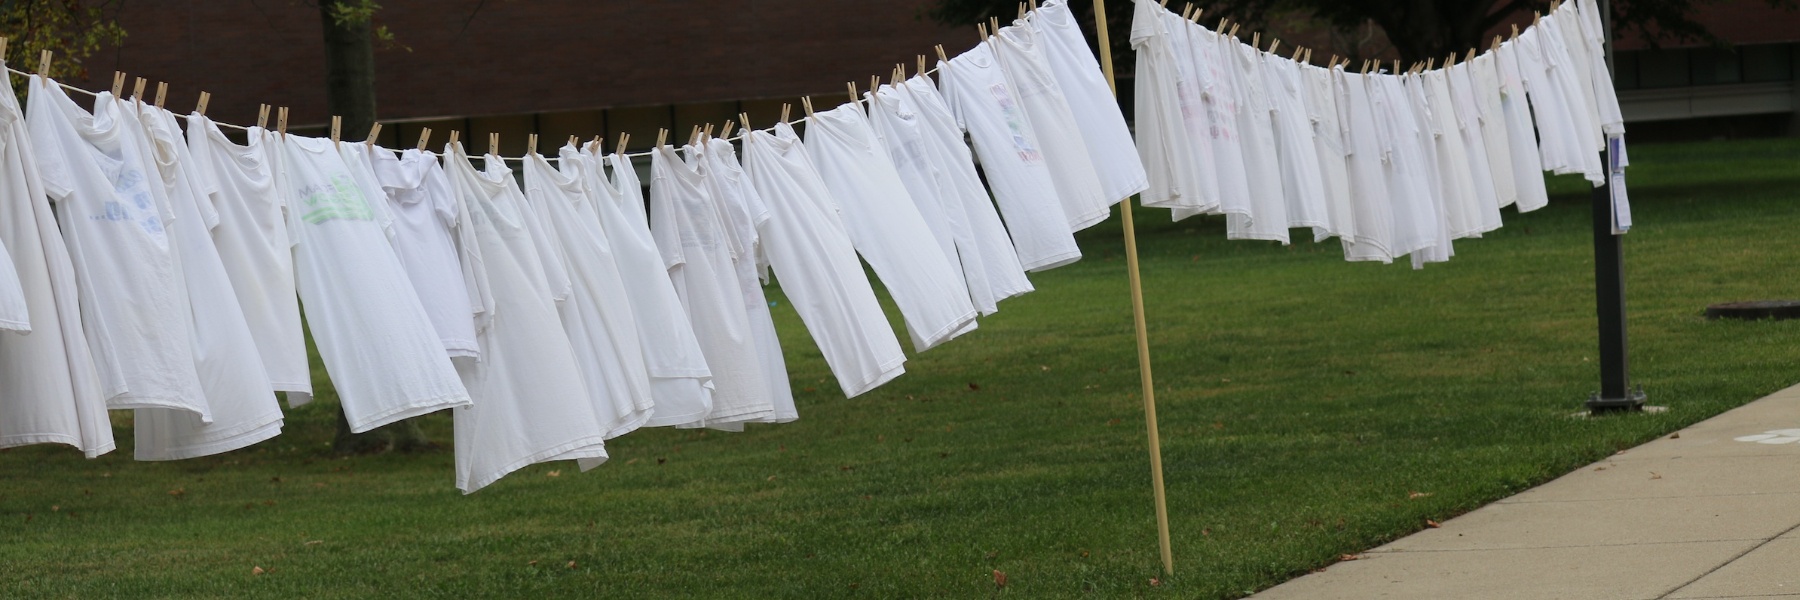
<point x="129" y="401"/>
<point x="1135" y="187"/>
<point x="958" y="327"/>
<point x="218" y="443"/>
<point x="661" y="420"/>
<point x="287" y="386"/>
<point x="20" y="327"/>
<point x="401" y="413"/>
<point x="629" y="425"/>
<point x="737" y="415"/>
<point x="1091" y="219"/>
<point x="885" y="373"/>
<point x="28" y="439"/>
<point x="470" y="485"/>
<point x="1053" y="261"/>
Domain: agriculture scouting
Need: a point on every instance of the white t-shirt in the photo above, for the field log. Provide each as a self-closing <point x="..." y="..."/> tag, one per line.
<point x="816" y="264"/>
<point x="949" y="157"/>
<point x="1078" y="185"/>
<point x="252" y="242"/>
<point x="597" y="313"/>
<point x="1555" y="96"/>
<point x="1456" y="83"/>
<point x="1405" y="159"/>
<point x="115" y="216"/>
<point x="1090" y="99"/>
<point x="1432" y="162"/>
<point x="1457" y="188"/>
<point x="686" y="223"/>
<point x="743" y="212"/>
<point x="897" y="124"/>
<point x="530" y="403"/>
<point x="1217" y="88"/>
<point x="1328" y="142"/>
<point x="1365" y="168"/>
<point x="1197" y="113"/>
<point x="1527" y="163"/>
<point x="1267" y="215"/>
<point x="1484" y="83"/>
<point x="15" y="314"/>
<point x="418" y="195"/>
<point x="1605" y="98"/>
<point x="385" y="360"/>
<point x="886" y="228"/>
<point x="1302" y="185"/>
<point x="985" y="106"/>
<point x="680" y="382"/>
<point x="237" y="388"/>
<point x="1567" y="25"/>
<point x="1163" y="140"/>
<point x="49" y="391"/>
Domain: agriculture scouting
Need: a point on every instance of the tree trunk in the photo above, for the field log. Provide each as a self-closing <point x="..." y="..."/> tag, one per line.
<point x="350" y="93"/>
<point x="349" y="71"/>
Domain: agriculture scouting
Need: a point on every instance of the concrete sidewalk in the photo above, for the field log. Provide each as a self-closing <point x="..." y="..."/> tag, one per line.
<point x="1713" y="512"/>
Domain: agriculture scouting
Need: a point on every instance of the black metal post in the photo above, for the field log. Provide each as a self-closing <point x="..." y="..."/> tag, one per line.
<point x="1609" y="296"/>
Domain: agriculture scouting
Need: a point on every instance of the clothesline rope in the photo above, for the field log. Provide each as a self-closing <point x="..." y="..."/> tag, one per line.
<point x="742" y="135"/>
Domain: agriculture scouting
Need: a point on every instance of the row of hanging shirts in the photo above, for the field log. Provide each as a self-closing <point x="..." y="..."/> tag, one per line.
<point x="1392" y="164"/>
<point x="550" y="308"/>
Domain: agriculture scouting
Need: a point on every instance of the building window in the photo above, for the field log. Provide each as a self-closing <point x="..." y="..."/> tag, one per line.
<point x="1768" y="62"/>
<point x="1663" y="68"/>
<point x="1713" y="66"/>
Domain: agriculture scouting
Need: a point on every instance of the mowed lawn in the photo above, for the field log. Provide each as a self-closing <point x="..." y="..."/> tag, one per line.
<point x="1310" y="408"/>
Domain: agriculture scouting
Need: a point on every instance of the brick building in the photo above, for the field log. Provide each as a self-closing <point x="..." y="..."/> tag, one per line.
<point x="555" y="67"/>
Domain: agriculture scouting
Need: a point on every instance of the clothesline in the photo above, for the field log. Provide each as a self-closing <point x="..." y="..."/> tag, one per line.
<point x="645" y="153"/>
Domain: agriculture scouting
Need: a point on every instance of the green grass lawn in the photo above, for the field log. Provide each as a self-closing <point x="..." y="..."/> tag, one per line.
<point x="1304" y="400"/>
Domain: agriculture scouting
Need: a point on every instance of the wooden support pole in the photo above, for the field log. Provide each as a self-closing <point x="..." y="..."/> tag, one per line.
<point x="1137" y="313"/>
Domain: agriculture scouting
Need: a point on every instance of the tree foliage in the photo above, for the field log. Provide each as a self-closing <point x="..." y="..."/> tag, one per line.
<point x="72" y="29"/>
<point x="1417" y="29"/>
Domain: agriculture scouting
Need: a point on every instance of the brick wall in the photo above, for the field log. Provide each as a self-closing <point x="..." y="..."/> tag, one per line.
<point x="522" y="56"/>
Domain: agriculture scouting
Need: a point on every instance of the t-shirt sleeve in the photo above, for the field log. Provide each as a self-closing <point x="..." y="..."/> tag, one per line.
<point x="665" y="226"/>
<point x="53" y="168"/>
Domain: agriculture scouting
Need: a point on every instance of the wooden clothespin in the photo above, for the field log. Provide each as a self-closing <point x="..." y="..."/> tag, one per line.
<point x="786" y="109"/>
<point x="941" y="56"/>
<point x="118" y="87"/>
<point x="1333" y="63"/>
<point x="981" y="31"/>
<point x="137" y="91"/>
<point x="624" y="140"/>
<point x="1187" y="12"/>
<point x="725" y="130"/>
<point x="899" y="74"/>
<point x="494" y="143"/>
<point x="994" y="25"/>
<point x="336" y="123"/>
<point x="2" y="47"/>
<point x="1234" y="28"/>
<point x="851" y="85"/>
<point x="1496" y="46"/>
<point x="424" y="138"/>
<point x="745" y="119"/>
<point x="531" y="145"/>
<point x="262" y="116"/>
<point x="200" y="107"/>
<point x="707" y="133"/>
<point x="1555" y="5"/>
<point x="162" y="93"/>
<point x="1255" y="38"/>
<point x="1428" y="64"/>
<point x="1223" y="25"/>
<point x="1033" y="5"/>
<point x="662" y="137"/>
<point x="374" y="131"/>
<point x="1396" y="66"/>
<point x="281" y="122"/>
<point x="575" y="140"/>
<point x="1515" y="31"/>
<point x="1365" y="68"/>
<point x="806" y="102"/>
<point x="1450" y="61"/>
<point x="1021" y="10"/>
<point x="1274" y="45"/>
<point x="44" y="63"/>
<point x="694" y="136"/>
<point x="1197" y="13"/>
<point x="1470" y="56"/>
<point x="455" y="136"/>
<point x="921" y="63"/>
<point x="1535" y="17"/>
<point x="875" y="84"/>
<point x="1298" y="50"/>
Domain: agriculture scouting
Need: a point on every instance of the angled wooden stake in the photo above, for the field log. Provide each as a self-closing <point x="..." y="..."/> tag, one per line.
<point x="1137" y="313"/>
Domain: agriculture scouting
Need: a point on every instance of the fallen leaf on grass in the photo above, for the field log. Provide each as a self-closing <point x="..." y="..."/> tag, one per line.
<point x="771" y="478"/>
<point x="1433" y="524"/>
<point x="553" y="474"/>
<point x="974" y="387"/>
<point x="1417" y="495"/>
<point x="255" y="570"/>
<point x="1154" y="582"/>
<point x="631" y="461"/>
<point x="177" y="492"/>
<point x="1349" y="557"/>
<point x="313" y="543"/>
<point x="54" y="508"/>
<point x="571" y="564"/>
<point x="999" y="578"/>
